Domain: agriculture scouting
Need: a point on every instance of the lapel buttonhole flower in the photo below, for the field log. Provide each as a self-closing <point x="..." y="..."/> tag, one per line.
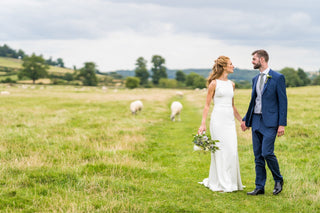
<point x="268" y="76"/>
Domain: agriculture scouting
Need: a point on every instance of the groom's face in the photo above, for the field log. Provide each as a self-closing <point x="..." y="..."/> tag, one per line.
<point x="256" y="61"/>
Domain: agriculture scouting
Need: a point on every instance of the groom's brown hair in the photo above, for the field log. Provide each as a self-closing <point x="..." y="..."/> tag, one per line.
<point x="262" y="53"/>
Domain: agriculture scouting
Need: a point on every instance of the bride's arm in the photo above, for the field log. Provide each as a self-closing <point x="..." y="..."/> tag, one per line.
<point x="210" y="94"/>
<point x="235" y="111"/>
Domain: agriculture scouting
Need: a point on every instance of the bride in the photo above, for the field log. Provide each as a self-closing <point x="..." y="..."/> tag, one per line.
<point x="224" y="174"/>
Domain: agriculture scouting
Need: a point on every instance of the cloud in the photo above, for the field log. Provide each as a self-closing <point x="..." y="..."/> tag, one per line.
<point x="189" y="33"/>
<point x="82" y="19"/>
<point x="120" y="50"/>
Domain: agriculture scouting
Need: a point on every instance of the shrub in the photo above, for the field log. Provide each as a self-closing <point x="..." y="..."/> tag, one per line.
<point x="8" y="80"/>
<point x="57" y="81"/>
<point x="167" y="83"/>
<point x="195" y="81"/>
<point x="132" y="82"/>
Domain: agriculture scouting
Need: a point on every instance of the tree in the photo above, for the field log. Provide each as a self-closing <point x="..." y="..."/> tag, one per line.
<point x="199" y="82"/>
<point x="60" y="62"/>
<point x="292" y="77"/>
<point x="141" y="71"/>
<point x="68" y="77"/>
<point x="304" y="77"/>
<point x="158" y="69"/>
<point x="180" y="76"/>
<point x="20" y="54"/>
<point x="195" y="80"/>
<point x="34" y="67"/>
<point x="316" y="80"/>
<point x="88" y="74"/>
<point x="51" y="62"/>
<point x="132" y="82"/>
<point x="6" y="51"/>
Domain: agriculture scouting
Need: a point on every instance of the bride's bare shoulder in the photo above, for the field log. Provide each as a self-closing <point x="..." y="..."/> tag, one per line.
<point x="212" y="85"/>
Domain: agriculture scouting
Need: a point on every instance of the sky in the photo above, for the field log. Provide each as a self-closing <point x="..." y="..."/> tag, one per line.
<point x="186" y="33"/>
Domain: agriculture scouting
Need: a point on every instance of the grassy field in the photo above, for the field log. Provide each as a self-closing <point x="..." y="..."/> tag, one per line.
<point x="17" y="63"/>
<point x="68" y="149"/>
<point x="10" y="62"/>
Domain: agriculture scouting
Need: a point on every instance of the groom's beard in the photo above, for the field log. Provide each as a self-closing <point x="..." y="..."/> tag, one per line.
<point x="257" y="66"/>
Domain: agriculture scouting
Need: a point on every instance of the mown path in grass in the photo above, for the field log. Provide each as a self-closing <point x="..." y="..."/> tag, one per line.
<point x="169" y="149"/>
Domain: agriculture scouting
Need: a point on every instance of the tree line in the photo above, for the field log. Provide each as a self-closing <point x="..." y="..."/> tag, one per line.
<point x="158" y="76"/>
<point x="6" y="51"/>
<point x="294" y="78"/>
<point x="35" y="67"/>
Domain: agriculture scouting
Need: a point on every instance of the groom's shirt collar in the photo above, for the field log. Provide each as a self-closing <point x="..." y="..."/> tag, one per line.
<point x="266" y="71"/>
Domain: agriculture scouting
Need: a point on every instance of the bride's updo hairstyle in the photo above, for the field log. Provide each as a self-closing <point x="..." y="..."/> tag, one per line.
<point x="219" y="66"/>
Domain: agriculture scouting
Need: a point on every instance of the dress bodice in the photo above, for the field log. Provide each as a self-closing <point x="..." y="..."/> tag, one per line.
<point x="223" y="94"/>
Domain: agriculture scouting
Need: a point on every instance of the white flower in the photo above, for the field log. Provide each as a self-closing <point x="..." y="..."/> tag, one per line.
<point x="204" y="143"/>
<point x="268" y="76"/>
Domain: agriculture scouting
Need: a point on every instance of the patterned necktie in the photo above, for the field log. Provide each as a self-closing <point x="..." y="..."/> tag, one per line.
<point x="261" y="81"/>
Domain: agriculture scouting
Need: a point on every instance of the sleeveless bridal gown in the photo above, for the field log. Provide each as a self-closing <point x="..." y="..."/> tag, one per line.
<point x="224" y="174"/>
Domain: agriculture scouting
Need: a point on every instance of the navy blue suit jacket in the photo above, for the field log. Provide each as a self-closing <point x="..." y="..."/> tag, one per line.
<point x="274" y="101"/>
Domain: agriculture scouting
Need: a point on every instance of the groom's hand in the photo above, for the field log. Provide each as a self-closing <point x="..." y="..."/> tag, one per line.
<point x="280" y="131"/>
<point x="243" y="126"/>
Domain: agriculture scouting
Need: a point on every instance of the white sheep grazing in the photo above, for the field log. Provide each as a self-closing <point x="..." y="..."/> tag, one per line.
<point x="5" y="93"/>
<point x="104" y="88"/>
<point x="176" y="108"/>
<point x="179" y="94"/>
<point x="136" y="106"/>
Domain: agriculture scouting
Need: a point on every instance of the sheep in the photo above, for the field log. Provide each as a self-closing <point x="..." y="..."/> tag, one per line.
<point x="136" y="106"/>
<point x="179" y="94"/>
<point x="104" y="88"/>
<point x="176" y="108"/>
<point x="5" y="93"/>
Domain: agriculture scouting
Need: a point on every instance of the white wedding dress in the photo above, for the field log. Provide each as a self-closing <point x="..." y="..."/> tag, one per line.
<point x="224" y="174"/>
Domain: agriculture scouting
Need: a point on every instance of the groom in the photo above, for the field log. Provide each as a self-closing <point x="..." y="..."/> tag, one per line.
<point x="267" y="115"/>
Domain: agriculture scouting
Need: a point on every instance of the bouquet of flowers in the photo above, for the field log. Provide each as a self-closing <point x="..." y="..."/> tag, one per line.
<point x="204" y="142"/>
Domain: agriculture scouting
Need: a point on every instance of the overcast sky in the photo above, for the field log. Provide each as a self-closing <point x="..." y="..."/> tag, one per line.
<point x="187" y="33"/>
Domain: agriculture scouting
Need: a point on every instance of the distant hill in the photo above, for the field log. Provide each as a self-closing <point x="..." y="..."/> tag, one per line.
<point x="12" y="64"/>
<point x="16" y="64"/>
<point x="10" y="67"/>
<point x="238" y="75"/>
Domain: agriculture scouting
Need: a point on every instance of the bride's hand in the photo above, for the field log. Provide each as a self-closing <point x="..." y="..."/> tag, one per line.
<point x="201" y="130"/>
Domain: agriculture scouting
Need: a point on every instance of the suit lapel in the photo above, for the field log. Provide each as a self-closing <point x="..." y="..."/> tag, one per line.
<point x="267" y="82"/>
<point x="265" y="87"/>
<point x="254" y="89"/>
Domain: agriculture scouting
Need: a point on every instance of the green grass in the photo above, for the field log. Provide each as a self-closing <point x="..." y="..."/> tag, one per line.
<point x="17" y="63"/>
<point x="10" y="62"/>
<point x="12" y="77"/>
<point x="68" y="149"/>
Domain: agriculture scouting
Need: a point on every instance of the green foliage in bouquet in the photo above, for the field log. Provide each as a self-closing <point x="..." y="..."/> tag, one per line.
<point x="205" y="142"/>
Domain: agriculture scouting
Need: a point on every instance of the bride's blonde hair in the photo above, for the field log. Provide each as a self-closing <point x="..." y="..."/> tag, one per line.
<point x="219" y="66"/>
